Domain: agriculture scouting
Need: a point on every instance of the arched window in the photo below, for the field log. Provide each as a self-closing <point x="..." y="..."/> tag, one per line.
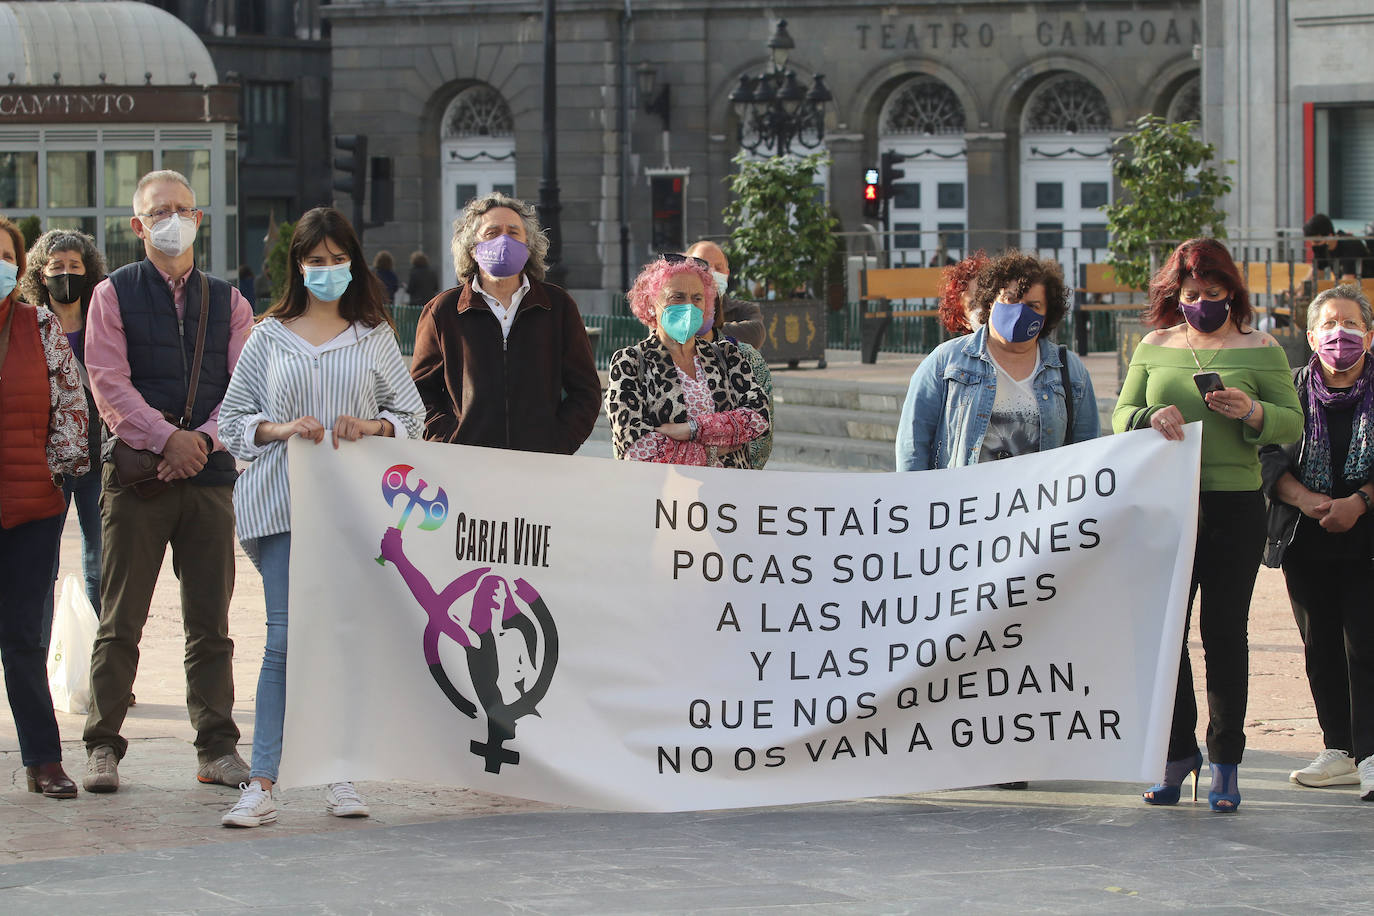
<point x="1067" y="104"/>
<point x="1186" y="104"/>
<point x="924" y="106"/>
<point x="479" y="111"/>
<point x="476" y="154"/>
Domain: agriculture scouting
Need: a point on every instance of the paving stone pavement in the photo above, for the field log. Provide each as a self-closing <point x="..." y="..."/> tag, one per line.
<point x="156" y="845"/>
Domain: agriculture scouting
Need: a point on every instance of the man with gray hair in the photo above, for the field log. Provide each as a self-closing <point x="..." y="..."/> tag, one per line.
<point x="141" y="351"/>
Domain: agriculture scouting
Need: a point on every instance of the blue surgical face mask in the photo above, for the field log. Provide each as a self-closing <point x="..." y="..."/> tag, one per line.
<point x="680" y="321"/>
<point x="9" y="275"/>
<point x="1015" y="322"/>
<point x="327" y="283"/>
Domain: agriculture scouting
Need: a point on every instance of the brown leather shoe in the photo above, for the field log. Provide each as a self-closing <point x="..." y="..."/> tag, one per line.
<point x="51" y="780"/>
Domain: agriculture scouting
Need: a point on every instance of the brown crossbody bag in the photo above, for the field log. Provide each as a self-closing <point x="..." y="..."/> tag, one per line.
<point x="136" y="468"/>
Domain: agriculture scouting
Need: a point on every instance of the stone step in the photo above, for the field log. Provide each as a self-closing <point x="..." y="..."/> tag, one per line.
<point x="839" y="422"/>
<point x="794" y="451"/>
<point x="876" y="397"/>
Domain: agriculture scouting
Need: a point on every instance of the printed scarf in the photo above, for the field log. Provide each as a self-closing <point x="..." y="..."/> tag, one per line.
<point x="1316" y="462"/>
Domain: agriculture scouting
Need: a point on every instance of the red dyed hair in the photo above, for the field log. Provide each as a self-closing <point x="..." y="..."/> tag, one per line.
<point x="648" y="289"/>
<point x="956" y="279"/>
<point x="1201" y="259"/>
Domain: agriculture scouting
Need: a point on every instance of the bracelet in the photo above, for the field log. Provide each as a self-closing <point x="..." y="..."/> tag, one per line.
<point x="692" y="429"/>
<point x="1251" y="412"/>
<point x="1364" y="497"/>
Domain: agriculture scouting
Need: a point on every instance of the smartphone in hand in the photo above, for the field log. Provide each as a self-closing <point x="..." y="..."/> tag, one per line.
<point x="1207" y="381"/>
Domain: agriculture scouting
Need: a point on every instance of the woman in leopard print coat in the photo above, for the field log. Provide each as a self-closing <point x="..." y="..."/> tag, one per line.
<point x="691" y="402"/>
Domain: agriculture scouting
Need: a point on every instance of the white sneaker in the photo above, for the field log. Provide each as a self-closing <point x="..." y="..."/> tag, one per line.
<point x="1329" y="768"/>
<point x="342" y="800"/>
<point x="254" y="808"/>
<point x="1366" y="769"/>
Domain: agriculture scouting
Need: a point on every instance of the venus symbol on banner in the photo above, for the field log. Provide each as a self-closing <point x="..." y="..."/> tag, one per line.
<point x="509" y="668"/>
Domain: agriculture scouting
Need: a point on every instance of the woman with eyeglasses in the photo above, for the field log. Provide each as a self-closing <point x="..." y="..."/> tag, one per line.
<point x="1320" y="500"/>
<point x="1206" y="362"/>
<point x="676" y="397"/>
<point x="503" y="359"/>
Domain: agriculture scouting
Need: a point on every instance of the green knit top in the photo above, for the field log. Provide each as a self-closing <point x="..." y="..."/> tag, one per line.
<point x="1159" y="376"/>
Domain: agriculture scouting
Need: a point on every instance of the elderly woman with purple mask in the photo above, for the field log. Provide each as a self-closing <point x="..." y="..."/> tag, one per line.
<point x="677" y="397"/>
<point x="503" y="359"/>
<point x="1320" y="501"/>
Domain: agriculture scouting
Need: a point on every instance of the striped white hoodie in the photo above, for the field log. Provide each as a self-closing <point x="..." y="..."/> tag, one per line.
<point x="280" y="377"/>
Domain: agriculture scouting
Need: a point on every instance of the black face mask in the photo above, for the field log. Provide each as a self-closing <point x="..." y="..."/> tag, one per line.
<point x="65" y="288"/>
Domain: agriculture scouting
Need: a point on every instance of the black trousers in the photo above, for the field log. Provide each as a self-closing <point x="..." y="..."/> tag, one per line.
<point x="1230" y="543"/>
<point x="26" y="554"/>
<point x="1332" y="593"/>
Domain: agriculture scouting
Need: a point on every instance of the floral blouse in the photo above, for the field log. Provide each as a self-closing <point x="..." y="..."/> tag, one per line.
<point x="68" y="422"/>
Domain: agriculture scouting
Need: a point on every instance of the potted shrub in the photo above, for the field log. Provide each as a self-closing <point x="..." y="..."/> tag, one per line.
<point x="782" y="238"/>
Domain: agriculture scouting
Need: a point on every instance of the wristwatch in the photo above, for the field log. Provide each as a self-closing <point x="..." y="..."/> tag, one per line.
<point x="209" y="442"/>
<point x="1364" y="497"/>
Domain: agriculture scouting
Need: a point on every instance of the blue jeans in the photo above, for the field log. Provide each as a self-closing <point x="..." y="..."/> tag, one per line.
<point x="272" y="556"/>
<point x="25" y="554"/>
<point x="85" y="490"/>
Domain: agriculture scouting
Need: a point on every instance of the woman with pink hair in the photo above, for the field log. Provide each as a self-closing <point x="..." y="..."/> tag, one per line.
<point x="676" y="397"/>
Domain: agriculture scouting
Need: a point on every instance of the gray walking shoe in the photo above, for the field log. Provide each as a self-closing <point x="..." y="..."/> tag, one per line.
<point x="102" y="770"/>
<point x="229" y="770"/>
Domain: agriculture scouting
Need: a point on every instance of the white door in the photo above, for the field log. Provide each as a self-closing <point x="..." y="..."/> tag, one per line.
<point x="928" y="212"/>
<point x="471" y="170"/>
<point x="1062" y="192"/>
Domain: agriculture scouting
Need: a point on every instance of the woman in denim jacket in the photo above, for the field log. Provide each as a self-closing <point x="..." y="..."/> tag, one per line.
<point x="1000" y="391"/>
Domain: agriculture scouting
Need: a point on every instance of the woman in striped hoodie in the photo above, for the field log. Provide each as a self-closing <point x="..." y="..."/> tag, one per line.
<point x="322" y="361"/>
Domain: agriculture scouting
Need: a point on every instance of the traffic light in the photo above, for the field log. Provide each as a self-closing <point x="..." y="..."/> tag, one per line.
<point x="383" y="193"/>
<point x="872" y="202"/>
<point x="890" y="173"/>
<point x="351" y="172"/>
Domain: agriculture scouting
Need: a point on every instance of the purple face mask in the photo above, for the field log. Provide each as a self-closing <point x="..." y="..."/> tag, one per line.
<point x="1206" y="315"/>
<point x="1340" y="348"/>
<point x="501" y="257"/>
<point x="706" y="324"/>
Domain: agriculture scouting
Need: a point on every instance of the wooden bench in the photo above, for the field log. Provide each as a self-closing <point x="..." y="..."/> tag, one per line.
<point x="1366" y="284"/>
<point x="884" y="285"/>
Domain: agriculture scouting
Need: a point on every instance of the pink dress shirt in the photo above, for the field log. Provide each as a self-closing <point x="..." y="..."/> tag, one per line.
<point x="107" y="360"/>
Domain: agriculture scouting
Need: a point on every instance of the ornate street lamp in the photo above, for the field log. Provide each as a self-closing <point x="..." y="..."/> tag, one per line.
<point x="774" y="108"/>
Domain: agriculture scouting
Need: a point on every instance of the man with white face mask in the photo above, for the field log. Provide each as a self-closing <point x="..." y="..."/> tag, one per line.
<point x="140" y="349"/>
<point x="742" y="320"/>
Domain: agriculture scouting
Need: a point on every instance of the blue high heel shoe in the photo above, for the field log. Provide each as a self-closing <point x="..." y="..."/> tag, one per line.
<point x="1175" y="771"/>
<point x="1225" y="793"/>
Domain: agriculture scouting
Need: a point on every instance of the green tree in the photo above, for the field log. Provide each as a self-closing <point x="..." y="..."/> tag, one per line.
<point x="276" y="259"/>
<point x="31" y="228"/>
<point x="1169" y="190"/>
<point x="783" y="232"/>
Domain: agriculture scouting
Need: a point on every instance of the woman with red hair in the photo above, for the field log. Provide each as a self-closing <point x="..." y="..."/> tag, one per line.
<point x="960" y="287"/>
<point x="1206" y="363"/>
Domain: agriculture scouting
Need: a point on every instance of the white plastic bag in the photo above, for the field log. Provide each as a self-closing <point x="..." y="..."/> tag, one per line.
<point x="69" y="652"/>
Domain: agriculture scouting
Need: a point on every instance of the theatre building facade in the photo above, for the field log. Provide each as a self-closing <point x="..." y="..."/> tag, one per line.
<point x="1005" y="111"/>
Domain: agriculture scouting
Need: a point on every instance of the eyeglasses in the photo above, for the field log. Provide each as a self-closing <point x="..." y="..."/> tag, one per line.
<point x="672" y="257"/>
<point x="162" y="213"/>
<point x="1350" y="324"/>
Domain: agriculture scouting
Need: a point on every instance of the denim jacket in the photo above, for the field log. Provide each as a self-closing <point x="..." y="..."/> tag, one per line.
<point x="950" y="400"/>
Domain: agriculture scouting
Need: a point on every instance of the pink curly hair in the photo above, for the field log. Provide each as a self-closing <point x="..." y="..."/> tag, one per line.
<point x="647" y="292"/>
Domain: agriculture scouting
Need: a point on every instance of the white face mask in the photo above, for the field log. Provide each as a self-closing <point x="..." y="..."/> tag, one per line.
<point x="722" y="281"/>
<point x="173" y="235"/>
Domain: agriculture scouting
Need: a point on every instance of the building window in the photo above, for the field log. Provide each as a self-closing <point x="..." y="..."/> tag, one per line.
<point x="251" y="17"/>
<point x="1186" y="104"/>
<point x="1092" y="194"/>
<point x="924" y="106"/>
<point x="266" y="121"/>
<point x="1067" y="104"/>
<point x="1049" y="235"/>
<point x="18" y="180"/>
<point x="1343" y="170"/>
<point x="949" y="195"/>
<point x="906" y="196"/>
<point x="479" y="111"/>
<point x="667" y="193"/>
<point x="1049" y="195"/>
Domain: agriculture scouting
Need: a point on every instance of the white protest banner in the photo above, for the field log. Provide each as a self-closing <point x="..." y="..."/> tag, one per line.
<point x="645" y="637"/>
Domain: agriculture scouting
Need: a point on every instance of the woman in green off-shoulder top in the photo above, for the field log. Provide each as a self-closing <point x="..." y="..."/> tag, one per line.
<point x="1201" y="308"/>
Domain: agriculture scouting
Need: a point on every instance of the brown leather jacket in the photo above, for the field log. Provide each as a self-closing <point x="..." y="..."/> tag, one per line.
<point x="536" y="391"/>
